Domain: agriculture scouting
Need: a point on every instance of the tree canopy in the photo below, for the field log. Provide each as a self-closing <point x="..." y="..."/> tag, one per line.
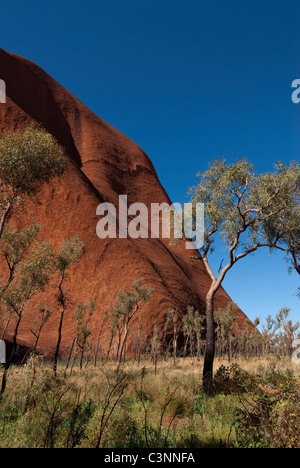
<point x="250" y="210"/>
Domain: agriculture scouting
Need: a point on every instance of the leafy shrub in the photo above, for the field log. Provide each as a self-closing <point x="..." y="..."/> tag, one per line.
<point x="270" y="418"/>
<point x="233" y="379"/>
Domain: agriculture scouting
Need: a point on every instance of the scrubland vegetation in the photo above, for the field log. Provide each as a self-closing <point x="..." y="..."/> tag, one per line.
<point x="255" y="404"/>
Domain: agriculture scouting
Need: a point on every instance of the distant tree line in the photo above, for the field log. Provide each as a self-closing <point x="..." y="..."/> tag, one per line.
<point x="183" y="335"/>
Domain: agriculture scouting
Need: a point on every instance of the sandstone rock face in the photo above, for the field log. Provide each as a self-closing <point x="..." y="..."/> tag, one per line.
<point x="103" y="163"/>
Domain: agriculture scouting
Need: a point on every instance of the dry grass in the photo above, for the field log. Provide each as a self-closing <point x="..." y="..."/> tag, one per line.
<point x="193" y="368"/>
<point x="168" y="409"/>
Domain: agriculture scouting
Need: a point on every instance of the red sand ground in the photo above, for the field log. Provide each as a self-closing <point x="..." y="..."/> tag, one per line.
<point x="103" y="164"/>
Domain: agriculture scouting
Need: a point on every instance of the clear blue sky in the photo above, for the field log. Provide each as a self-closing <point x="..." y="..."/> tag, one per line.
<point x="189" y="81"/>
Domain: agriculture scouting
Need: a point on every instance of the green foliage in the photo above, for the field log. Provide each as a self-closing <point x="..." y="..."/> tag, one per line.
<point x="28" y="159"/>
<point x="269" y="416"/>
<point x="129" y="300"/>
<point x="79" y="419"/>
<point x="15" y="243"/>
<point x="225" y="319"/>
<point x="239" y="200"/>
<point x="234" y="380"/>
<point x="69" y="253"/>
<point x="83" y="319"/>
<point x="193" y="326"/>
<point x="54" y="416"/>
<point x="43" y="315"/>
<point x="36" y="270"/>
<point x="124" y="314"/>
<point x="33" y="274"/>
<point x="155" y="345"/>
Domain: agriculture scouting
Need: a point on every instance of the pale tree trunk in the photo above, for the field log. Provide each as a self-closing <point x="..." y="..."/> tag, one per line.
<point x="228" y="347"/>
<point x="210" y="345"/>
<point x="3" y="219"/>
<point x="210" y="321"/>
<point x="10" y="360"/>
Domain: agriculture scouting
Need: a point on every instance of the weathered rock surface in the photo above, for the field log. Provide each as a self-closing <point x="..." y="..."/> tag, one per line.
<point x="103" y="163"/>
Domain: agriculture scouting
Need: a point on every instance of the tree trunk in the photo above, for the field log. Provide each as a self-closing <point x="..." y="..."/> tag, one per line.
<point x="58" y="343"/>
<point x="174" y="350"/>
<point x="123" y="346"/>
<point x="228" y="348"/>
<point x="10" y="360"/>
<point x="62" y="302"/>
<point x="3" y="219"/>
<point x="110" y="344"/>
<point x="81" y="357"/>
<point x="210" y="346"/>
<point x="37" y="340"/>
<point x="70" y="354"/>
<point x="97" y="350"/>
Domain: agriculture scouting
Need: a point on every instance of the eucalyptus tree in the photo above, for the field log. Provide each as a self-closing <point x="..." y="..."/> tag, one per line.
<point x="248" y="211"/>
<point x="28" y="159"/>
<point x="124" y="314"/>
<point x="14" y="245"/>
<point x="289" y="328"/>
<point x="33" y="274"/>
<point x="83" y="318"/>
<point x="155" y="345"/>
<point x="192" y="327"/>
<point x="126" y="308"/>
<point x="225" y="318"/>
<point x="173" y="323"/>
<point x="43" y="315"/>
<point x="68" y="254"/>
<point x="268" y="332"/>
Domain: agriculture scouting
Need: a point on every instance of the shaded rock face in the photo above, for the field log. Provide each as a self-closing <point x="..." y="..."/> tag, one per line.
<point x="103" y="163"/>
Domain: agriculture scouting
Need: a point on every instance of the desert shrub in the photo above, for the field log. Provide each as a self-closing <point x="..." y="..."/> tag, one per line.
<point x="270" y="418"/>
<point x="124" y="432"/>
<point x="269" y="421"/>
<point x="78" y="422"/>
<point x="277" y="372"/>
<point x="52" y="417"/>
<point x="233" y="379"/>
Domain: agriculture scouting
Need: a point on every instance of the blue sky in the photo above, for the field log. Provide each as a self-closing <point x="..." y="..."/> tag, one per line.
<point x="189" y="81"/>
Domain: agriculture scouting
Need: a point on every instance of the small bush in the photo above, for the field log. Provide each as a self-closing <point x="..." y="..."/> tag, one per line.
<point x="234" y="380"/>
<point x="270" y="417"/>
